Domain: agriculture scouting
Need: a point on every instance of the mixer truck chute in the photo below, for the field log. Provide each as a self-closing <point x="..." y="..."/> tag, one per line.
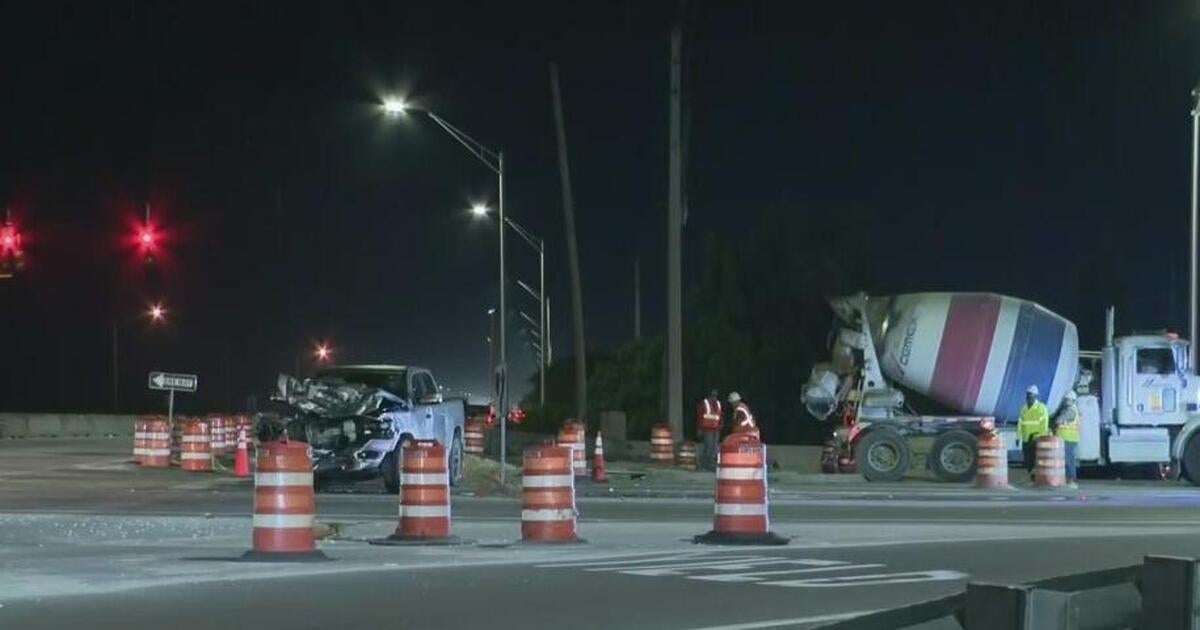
<point x="974" y="354"/>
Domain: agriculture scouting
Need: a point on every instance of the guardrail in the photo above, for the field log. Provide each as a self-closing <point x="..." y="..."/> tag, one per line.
<point x="1162" y="593"/>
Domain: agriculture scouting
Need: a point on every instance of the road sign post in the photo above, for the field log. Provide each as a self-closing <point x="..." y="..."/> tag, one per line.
<point x="171" y="383"/>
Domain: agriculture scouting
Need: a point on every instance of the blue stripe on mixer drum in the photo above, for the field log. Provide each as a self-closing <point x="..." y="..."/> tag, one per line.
<point x="1032" y="359"/>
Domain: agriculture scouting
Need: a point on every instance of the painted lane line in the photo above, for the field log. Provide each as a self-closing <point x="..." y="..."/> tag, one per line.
<point x="876" y="579"/>
<point x="757" y="576"/>
<point x="598" y="562"/>
<point x="776" y="623"/>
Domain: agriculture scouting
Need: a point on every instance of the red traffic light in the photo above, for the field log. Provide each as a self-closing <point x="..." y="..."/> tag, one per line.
<point x="10" y="241"/>
<point x="147" y="238"/>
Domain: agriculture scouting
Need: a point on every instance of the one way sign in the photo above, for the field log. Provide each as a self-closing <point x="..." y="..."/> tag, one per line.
<point x="173" y="382"/>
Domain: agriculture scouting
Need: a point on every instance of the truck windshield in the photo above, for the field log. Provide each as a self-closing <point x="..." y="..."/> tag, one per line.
<point x="395" y="382"/>
<point x="1155" y="361"/>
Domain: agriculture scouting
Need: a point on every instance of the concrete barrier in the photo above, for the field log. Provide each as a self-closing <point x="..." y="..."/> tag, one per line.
<point x="53" y="425"/>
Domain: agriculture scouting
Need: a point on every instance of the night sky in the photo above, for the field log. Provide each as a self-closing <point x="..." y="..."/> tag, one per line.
<point x="1037" y="149"/>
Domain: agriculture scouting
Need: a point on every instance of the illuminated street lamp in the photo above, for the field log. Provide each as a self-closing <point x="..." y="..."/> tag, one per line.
<point x="395" y="107"/>
<point x="157" y="312"/>
<point x="322" y="352"/>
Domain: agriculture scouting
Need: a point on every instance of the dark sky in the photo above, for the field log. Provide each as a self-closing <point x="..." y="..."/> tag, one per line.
<point x="1038" y="149"/>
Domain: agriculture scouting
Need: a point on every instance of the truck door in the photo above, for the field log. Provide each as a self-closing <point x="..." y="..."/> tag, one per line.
<point x="424" y="395"/>
<point x="1152" y="386"/>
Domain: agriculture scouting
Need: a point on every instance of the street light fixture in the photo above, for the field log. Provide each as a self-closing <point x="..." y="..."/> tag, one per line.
<point x="322" y="352"/>
<point x="395" y="107"/>
<point x="157" y="312"/>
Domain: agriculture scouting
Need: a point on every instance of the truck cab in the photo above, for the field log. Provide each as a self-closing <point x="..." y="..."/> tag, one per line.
<point x="1146" y="407"/>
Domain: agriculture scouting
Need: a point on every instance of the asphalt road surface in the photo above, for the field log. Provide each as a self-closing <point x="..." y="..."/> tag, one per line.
<point x="87" y="540"/>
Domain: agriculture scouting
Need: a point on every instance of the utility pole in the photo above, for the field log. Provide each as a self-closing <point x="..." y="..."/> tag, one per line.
<point x="674" y="237"/>
<point x="1192" y="251"/>
<point x="564" y="168"/>
<point x="637" y="298"/>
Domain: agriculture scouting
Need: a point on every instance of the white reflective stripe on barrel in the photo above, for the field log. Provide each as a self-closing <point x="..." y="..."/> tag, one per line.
<point x="739" y="474"/>
<point x="284" y="521"/>
<point x="139" y="451"/>
<point x="424" y="479"/>
<point x="156" y="436"/>
<point x="547" y="481"/>
<point x="662" y="441"/>
<point x="425" y="511"/>
<point x="562" y="514"/>
<point x="740" y="509"/>
<point x="205" y="456"/>
<point x="283" y="479"/>
<point x="156" y="452"/>
<point x="195" y="438"/>
<point x="473" y="434"/>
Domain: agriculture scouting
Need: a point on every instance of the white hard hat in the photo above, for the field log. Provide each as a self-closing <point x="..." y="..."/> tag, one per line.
<point x="1071" y="395"/>
<point x="735" y="397"/>
<point x="1032" y="389"/>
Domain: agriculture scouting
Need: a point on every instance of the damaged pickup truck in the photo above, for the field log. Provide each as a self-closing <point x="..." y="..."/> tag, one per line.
<point x="358" y="417"/>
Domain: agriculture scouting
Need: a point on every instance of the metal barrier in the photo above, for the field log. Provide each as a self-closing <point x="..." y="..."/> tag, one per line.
<point x="1168" y="599"/>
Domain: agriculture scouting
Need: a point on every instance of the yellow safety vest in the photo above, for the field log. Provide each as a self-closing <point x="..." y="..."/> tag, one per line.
<point x="1068" y="424"/>
<point x="1034" y="422"/>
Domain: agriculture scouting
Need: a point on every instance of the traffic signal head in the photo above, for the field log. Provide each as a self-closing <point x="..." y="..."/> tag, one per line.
<point x="10" y="241"/>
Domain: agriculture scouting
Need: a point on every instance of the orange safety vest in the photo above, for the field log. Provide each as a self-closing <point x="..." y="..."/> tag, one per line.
<point x="743" y="420"/>
<point x="708" y="416"/>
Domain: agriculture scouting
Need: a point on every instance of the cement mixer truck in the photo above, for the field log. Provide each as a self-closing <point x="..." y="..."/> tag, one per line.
<point x="973" y="355"/>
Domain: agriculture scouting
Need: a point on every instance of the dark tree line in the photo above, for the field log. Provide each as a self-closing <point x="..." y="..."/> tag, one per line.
<point x="755" y="322"/>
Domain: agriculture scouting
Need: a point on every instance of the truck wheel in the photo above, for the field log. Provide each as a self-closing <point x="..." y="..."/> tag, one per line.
<point x="954" y="456"/>
<point x="455" y="461"/>
<point x="1191" y="460"/>
<point x="882" y="455"/>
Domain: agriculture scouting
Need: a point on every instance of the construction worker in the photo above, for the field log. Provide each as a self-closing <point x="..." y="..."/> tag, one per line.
<point x="743" y="420"/>
<point x="1066" y="427"/>
<point x="1033" y="423"/>
<point x="708" y="428"/>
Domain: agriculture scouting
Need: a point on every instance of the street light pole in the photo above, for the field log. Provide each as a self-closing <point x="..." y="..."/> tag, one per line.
<point x="1192" y="251"/>
<point x="494" y="160"/>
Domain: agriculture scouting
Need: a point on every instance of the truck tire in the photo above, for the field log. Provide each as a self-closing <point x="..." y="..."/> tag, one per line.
<point x="883" y="455"/>
<point x="954" y="456"/>
<point x="1190" y="461"/>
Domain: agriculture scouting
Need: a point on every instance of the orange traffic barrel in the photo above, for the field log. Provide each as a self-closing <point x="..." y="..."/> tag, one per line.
<point x="140" y="428"/>
<point x="662" y="445"/>
<point x="687" y="456"/>
<point x="548" y="495"/>
<point x="474" y="436"/>
<point x="285" y="508"/>
<point x="156" y="448"/>
<point x="424" y="496"/>
<point x="1050" y="470"/>
<point x="195" y="452"/>
<point x="573" y="435"/>
<point x="992" y="471"/>
<point x="740" y="513"/>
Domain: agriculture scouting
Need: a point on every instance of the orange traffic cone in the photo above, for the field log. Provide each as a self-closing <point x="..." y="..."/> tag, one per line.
<point x="241" y="464"/>
<point x="598" y="472"/>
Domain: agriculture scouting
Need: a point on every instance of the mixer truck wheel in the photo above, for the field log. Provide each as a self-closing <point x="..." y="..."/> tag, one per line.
<point x="882" y="455"/>
<point x="953" y="456"/>
<point x="1190" y="461"/>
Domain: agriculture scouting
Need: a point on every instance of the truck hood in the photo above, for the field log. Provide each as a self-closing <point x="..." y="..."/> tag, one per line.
<point x="334" y="400"/>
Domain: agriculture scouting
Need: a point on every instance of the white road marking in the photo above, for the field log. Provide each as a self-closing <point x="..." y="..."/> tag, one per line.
<point x="597" y="562"/>
<point x="775" y="623"/>
<point x="907" y="577"/>
<point x="746" y="562"/>
<point x="756" y="576"/>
